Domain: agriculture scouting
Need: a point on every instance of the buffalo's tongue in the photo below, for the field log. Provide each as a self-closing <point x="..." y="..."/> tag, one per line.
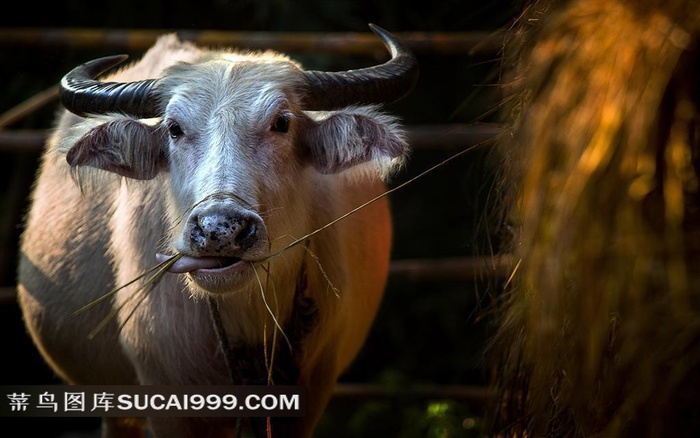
<point x="188" y="264"/>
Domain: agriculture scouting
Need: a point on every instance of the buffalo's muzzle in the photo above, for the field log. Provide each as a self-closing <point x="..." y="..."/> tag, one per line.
<point x="224" y="229"/>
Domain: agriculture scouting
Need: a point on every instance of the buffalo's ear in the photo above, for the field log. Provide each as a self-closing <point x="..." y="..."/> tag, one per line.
<point x="355" y="136"/>
<point x="126" y="147"/>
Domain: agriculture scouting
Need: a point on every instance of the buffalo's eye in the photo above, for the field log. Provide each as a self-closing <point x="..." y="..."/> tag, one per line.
<point x="174" y="129"/>
<point x="281" y="124"/>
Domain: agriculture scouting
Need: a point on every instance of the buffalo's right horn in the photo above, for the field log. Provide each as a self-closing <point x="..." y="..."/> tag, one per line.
<point x="81" y="94"/>
<point x="383" y="83"/>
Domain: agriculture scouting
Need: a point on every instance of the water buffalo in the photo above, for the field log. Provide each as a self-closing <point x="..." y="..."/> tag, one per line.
<point x="218" y="166"/>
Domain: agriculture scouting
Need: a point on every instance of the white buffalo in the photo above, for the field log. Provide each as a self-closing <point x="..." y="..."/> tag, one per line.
<point x="218" y="166"/>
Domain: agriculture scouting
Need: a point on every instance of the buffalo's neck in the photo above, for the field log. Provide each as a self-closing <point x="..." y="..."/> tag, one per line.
<point x="254" y="316"/>
<point x="250" y="347"/>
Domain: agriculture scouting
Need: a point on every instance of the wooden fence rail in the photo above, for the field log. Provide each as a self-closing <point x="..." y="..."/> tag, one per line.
<point x="456" y="136"/>
<point x="451" y="43"/>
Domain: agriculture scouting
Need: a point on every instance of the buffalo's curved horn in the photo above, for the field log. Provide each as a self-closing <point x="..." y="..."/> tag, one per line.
<point x="81" y="94"/>
<point x="383" y="83"/>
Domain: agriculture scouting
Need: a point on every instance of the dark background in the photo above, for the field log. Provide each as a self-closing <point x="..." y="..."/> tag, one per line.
<point x="428" y="331"/>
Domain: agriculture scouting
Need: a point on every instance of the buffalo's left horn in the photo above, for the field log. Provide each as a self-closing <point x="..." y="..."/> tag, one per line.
<point x="382" y="83"/>
<point x="81" y="94"/>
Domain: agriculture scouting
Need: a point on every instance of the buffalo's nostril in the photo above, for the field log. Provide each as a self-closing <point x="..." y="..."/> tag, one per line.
<point x="247" y="233"/>
<point x="197" y="233"/>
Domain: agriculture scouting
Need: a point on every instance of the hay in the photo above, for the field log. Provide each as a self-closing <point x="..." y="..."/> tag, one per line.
<point x="600" y="326"/>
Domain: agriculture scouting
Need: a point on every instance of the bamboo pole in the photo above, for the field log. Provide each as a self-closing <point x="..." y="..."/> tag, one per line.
<point x="363" y="43"/>
<point x="23" y="141"/>
<point x="456" y="268"/>
<point x="28" y="107"/>
<point x="475" y="395"/>
<point x="419" y="136"/>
